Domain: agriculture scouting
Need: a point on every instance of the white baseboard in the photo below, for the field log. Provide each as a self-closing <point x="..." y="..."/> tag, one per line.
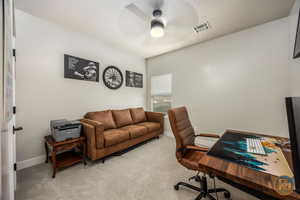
<point x="41" y="159"/>
<point x="30" y="162"/>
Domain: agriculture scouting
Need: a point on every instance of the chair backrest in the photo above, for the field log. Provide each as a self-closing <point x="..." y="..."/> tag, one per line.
<point x="182" y="129"/>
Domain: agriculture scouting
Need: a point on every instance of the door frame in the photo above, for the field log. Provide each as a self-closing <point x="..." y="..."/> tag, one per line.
<point x="7" y="102"/>
<point x="1" y="89"/>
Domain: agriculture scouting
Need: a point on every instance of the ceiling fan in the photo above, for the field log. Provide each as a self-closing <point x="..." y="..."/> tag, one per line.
<point x="157" y="25"/>
<point x="161" y="16"/>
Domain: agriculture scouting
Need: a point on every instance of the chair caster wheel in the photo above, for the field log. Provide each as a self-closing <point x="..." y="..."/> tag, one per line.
<point x="227" y="195"/>
<point x="176" y="187"/>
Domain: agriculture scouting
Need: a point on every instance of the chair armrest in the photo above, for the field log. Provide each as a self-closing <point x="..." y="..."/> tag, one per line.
<point x="156" y="117"/>
<point x="98" y="131"/>
<point x="196" y="148"/>
<point x="210" y="135"/>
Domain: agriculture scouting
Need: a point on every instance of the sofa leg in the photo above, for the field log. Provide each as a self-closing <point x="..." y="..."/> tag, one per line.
<point x="103" y="160"/>
<point x="157" y="137"/>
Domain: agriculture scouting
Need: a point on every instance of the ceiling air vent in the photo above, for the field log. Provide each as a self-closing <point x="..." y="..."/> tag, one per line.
<point x="201" y="27"/>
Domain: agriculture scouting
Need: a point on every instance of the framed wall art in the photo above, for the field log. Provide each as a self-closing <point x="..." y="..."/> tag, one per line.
<point x="134" y="79"/>
<point x="297" y="41"/>
<point x="81" y="69"/>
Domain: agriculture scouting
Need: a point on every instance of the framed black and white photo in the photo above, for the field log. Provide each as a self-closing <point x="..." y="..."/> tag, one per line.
<point x="81" y="69"/>
<point x="297" y="41"/>
<point x="134" y="79"/>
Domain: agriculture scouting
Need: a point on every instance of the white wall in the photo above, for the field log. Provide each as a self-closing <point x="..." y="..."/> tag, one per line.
<point x="44" y="94"/>
<point x="235" y="82"/>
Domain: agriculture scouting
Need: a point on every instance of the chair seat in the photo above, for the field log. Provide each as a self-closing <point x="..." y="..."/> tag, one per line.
<point x="115" y="136"/>
<point x="191" y="159"/>
<point x="135" y="131"/>
<point x="151" y="126"/>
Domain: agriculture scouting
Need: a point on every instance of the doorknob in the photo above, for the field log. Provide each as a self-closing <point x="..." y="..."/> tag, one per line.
<point x="19" y="128"/>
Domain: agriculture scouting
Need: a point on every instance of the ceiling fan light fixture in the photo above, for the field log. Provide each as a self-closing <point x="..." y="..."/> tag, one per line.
<point x="157" y="13"/>
<point x="157" y="29"/>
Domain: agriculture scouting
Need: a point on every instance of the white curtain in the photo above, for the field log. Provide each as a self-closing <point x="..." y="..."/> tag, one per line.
<point x="161" y="85"/>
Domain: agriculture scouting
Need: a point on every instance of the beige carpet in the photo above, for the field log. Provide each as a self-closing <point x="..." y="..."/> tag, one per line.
<point x="147" y="172"/>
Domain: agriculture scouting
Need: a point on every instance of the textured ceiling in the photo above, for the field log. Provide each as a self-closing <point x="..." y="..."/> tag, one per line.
<point x="112" y="22"/>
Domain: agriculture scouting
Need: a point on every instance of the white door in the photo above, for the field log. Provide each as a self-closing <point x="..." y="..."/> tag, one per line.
<point x="7" y="102"/>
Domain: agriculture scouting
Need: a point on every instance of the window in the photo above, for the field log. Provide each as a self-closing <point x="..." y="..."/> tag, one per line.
<point x="161" y="103"/>
<point x="161" y="93"/>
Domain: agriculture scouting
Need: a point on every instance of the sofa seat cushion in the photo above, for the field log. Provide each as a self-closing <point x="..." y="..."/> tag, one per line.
<point x="151" y="126"/>
<point x="135" y="131"/>
<point x="122" y="117"/>
<point x="115" y="136"/>
<point x="138" y="115"/>
<point x="105" y="117"/>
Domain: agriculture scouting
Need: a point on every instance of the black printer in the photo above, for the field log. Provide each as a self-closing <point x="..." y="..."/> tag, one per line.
<point x="63" y="129"/>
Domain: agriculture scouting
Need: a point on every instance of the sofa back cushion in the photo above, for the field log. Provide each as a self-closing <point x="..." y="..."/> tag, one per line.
<point x="105" y="117"/>
<point x="138" y="115"/>
<point x="122" y="117"/>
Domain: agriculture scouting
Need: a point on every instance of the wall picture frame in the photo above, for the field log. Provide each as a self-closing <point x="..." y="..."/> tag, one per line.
<point x="80" y="69"/>
<point x="297" y="40"/>
<point x="134" y="79"/>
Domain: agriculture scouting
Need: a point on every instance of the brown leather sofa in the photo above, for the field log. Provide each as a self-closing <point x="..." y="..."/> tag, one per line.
<point x="111" y="131"/>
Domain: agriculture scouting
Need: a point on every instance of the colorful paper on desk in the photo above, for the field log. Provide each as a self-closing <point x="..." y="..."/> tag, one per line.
<point x="233" y="147"/>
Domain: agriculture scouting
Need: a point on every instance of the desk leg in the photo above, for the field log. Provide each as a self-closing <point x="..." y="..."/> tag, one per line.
<point x="53" y="156"/>
<point x="47" y="152"/>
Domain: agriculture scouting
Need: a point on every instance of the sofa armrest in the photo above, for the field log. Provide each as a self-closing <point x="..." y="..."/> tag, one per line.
<point x="91" y="122"/>
<point x="156" y="117"/>
<point x="97" y="134"/>
<point x="89" y="132"/>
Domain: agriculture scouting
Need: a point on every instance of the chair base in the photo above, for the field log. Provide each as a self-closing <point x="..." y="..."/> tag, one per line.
<point x="204" y="191"/>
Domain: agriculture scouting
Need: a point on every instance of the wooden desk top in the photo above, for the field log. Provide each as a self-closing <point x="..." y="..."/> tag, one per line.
<point x="256" y="180"/>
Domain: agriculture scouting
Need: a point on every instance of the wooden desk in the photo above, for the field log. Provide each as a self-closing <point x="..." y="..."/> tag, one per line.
<point x="252" y="179"/>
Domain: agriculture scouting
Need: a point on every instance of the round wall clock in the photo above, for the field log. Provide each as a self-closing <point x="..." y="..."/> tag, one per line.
<point x="112" y="77"/>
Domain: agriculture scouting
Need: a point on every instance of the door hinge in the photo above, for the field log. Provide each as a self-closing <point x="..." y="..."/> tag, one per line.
<point x="14" y="52"/>
<point x="14" y="110"/>
<point x="15" y="166"/>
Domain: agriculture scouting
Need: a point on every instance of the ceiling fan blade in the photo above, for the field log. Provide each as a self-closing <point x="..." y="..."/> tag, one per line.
<point x="137" y="11"/>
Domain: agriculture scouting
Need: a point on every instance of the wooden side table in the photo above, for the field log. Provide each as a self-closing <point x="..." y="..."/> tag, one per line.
<point x="67" y="157"/>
